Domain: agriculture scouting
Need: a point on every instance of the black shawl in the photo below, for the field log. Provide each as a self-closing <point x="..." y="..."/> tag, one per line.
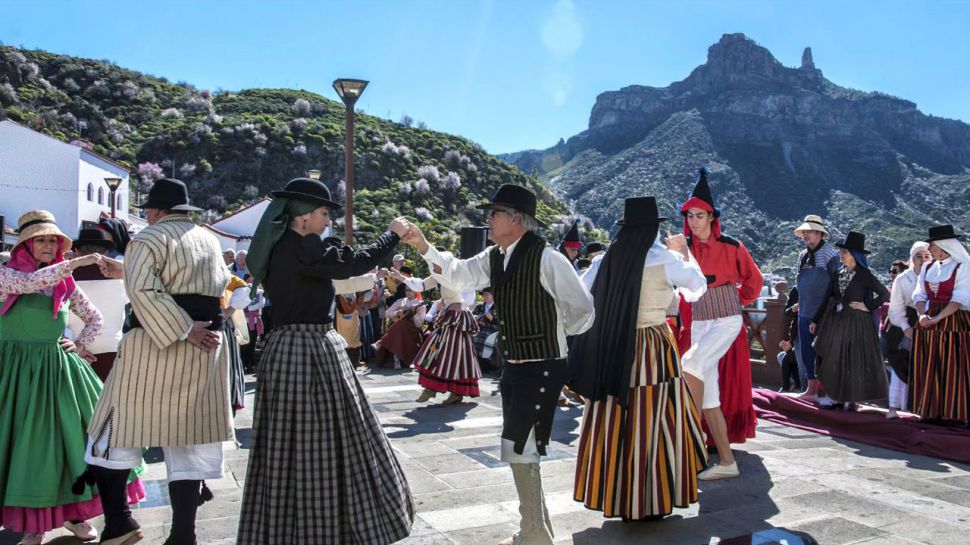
<point x="600" y="359"/>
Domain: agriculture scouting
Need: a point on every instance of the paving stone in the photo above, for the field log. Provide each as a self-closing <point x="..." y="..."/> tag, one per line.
<point x="837" y="531"/>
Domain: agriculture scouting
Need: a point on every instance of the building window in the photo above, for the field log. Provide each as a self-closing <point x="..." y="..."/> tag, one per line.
<point x="118" y="201"/>
<point x="100" y="195"/>
<point x="90" y="193"/>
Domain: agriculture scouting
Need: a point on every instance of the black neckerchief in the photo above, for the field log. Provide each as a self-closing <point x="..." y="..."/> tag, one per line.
<point x="809" y="258"/>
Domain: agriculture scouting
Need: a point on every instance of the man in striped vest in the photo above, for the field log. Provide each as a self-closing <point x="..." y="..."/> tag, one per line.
<point x="540" y="301"/>
<point x="169" y="386"/>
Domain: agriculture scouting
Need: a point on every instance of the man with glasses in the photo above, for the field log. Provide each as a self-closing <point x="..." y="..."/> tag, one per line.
<point x="540" y="300"/>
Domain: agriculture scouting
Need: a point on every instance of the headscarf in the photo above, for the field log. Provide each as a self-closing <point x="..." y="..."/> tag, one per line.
<point x="272" y="225"/>
<point x="955" y="248"/>
<point x="22" y="259"/>
<point x="917" y="247"/>
<point x="600" y="359"/>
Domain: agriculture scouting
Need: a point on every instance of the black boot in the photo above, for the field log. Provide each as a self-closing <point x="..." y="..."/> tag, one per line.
<point x="119" y="527"/>
<point x="186" y="497"/>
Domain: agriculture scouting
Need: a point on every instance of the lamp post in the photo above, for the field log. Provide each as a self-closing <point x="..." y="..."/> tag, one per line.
<point x="113" y="184"/>
<point x="313" y="174"/>
<point x="349" y="91"/>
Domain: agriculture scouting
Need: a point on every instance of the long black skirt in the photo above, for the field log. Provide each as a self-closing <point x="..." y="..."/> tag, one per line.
<point x="321" y="469"/>
<point x="849" y="360"/>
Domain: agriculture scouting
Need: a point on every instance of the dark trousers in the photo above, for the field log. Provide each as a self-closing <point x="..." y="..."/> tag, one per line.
<point x="354" y="355"/>
<point x="248" y="352"/>
<point x="789" y="372"/>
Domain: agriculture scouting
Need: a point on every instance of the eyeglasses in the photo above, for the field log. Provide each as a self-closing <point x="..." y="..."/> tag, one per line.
<point x="493" y="211"/>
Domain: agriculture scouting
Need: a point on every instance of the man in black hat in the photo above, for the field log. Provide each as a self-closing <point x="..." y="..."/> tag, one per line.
<point x="169" y="386"/>
<point x="107" y="294"/>
<point x="570" y="245"/>
<point x="540" y="302"/>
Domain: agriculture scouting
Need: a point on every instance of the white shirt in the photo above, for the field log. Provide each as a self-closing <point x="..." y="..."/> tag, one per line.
<point x="901" y="297"/>
<point x="574" y="304"/>
<point x="448" y="296"/>
<point x="940" y="271"/>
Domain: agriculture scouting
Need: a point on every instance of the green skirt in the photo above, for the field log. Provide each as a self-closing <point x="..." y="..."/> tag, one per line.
<point x="47" y="398"/>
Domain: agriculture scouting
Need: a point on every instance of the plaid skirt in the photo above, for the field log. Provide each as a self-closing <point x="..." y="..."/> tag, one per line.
<point x="321" y="469"/>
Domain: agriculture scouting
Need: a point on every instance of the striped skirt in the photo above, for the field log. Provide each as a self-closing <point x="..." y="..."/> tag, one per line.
<point x="642" y="460"/>
<point x="940" y="377"/>
<point x="446" y="360"/>
<point x="321" y="469"/>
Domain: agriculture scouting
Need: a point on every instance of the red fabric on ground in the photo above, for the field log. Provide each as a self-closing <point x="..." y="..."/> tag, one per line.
<point x="905" y="434"/>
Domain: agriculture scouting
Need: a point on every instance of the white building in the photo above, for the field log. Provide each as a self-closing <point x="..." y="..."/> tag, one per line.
<point x="40" y="172"/>
<point x="236" y="230"/>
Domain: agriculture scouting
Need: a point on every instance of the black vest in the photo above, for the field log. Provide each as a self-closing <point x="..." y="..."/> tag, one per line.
<point x="527" y="313"/>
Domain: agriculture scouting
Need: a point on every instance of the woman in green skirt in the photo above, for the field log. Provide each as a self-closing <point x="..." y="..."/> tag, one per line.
<point x="47" y="388"/>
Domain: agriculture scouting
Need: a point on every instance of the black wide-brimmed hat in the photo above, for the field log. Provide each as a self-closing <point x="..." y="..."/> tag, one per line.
<point x="638" y="211"/>
<point x="855" y="242"/>
<point x="594" y="247"/>
<point x="169" y="194"/>
<point x="941" y="232"/>
<point x="307" y="189"/>
<point x="515" y="197"/>
<point x="92" y="236"/>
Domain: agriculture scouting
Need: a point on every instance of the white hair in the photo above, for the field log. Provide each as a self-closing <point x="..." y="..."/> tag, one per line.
<point x="526" y="221"/>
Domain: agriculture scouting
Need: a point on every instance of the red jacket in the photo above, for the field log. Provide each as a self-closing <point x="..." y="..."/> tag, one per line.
<point x="726" y="261"/>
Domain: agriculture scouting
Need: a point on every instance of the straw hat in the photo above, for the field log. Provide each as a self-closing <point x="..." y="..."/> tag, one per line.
<point x="39" y="223"/>
<point x="811" y="223"/>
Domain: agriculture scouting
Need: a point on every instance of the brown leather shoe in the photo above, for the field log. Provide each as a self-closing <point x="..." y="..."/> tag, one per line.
<point x="453" y="399"/>
<point x="426" y="395"/>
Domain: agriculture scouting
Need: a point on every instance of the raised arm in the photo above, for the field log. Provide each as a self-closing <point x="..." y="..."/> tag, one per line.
<point x="332" y="261"/>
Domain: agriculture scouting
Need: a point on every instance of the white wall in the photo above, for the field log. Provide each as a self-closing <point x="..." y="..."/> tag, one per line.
<point x="94" y="170"/>
<point x="45" y="173"/>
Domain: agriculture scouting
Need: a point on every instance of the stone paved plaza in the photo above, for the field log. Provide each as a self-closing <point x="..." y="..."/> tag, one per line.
<point x="836" y="491"/>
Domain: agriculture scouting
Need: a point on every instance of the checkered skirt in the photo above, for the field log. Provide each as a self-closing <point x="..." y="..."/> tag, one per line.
<point x="321" y="469"/>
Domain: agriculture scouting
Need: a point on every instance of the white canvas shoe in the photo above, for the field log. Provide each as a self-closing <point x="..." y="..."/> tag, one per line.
<point x="718" y="471"/>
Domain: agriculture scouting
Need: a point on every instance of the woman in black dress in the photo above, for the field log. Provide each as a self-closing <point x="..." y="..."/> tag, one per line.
<point x="848" y="355"/>
<point x="321" y="469"/>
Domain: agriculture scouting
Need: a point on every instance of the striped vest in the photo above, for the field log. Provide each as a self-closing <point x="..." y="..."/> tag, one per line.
<point x="527" y="313"/>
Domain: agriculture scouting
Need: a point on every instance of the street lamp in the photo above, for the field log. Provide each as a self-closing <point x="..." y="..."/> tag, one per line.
<point x="313" y="174"/>
<point x="113" y="184"/>
<point x="349" y="91"/>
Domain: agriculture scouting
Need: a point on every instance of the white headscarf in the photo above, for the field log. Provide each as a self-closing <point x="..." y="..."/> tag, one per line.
<point x="917" y="247"/>
<point x="955" y="248"/>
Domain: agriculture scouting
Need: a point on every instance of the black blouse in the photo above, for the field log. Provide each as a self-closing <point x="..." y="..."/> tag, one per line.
<point x="301" y="269"/>
<point x="860" y="287"/>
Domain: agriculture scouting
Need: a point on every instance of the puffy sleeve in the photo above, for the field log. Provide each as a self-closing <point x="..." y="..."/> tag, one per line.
<point x="459" y="274"/>
<point x="897" y="303"/>
<point x="17" y="282"/>
<point x="961" y="288"/>
<point x="84" y="309"/>
<point x="574" y="302"/>
<point x="687" y="277"/>
<point x="919" y="292"/>
<point x="354" y="284"/>
<point x="751" y="278"/>
<point x="332" y="261"/>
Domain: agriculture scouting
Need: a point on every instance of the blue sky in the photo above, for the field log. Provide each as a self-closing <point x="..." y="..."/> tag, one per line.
<point x="510" y="75"/>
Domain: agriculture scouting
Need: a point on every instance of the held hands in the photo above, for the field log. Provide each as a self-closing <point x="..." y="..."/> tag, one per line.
<point x="84" y="261"/>
<point x="785" y="345"/>
<point x="677" y="243"/>
<point x="202" y="338"/>
<point x="415" y="238"/>
<point x="112" y="268"/>
<point x="400" y="226"/>
<point x="925" y="321"/>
